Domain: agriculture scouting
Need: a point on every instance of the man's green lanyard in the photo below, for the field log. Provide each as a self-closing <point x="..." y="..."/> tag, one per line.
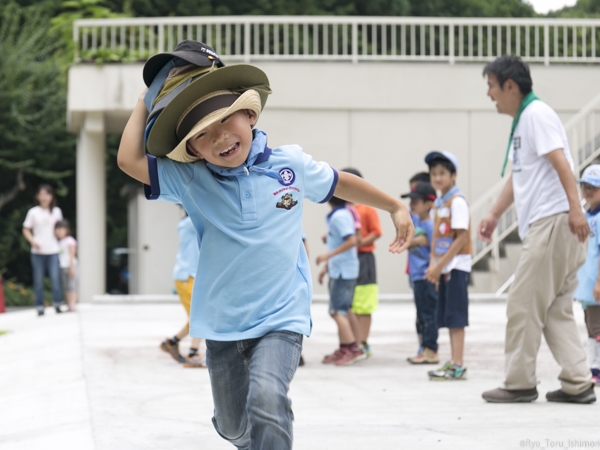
<point x="524" y="103"/>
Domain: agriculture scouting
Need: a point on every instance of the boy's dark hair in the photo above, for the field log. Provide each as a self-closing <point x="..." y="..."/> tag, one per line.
<point x="50" y="190"/>
<point x="62" y="224"/>
<point x="510" y="67"/>
<point x="421" y="177"/>
<point x="336" y="201"/>
<point x="444" y="163"/>
<point x="353" y="171"/>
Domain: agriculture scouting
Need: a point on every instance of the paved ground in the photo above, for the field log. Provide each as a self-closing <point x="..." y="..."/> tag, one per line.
<point x="97" y="380"/>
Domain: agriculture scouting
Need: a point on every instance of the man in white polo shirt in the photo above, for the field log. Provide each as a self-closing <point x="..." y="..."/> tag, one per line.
<point x="554" y="231"/>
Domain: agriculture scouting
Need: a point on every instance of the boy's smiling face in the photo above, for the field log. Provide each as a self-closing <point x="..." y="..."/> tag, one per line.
<point x="227" y="142"/>
<point x="441" y="178"/>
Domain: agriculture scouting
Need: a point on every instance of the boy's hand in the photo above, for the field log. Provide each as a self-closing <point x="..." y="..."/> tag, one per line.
<point x="433" y="274"/>
<point x="322" y="258"/>
<point x="72" y="272"/>
<point x="405" y="230"/>
<point x="597" y="292"/>
<point x="322" y="274"/>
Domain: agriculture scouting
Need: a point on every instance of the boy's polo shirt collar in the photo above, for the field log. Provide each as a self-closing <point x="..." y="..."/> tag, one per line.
<point x="259" y="153"/>
<point x="335" y="209"/>
<point x="593" y="212"/>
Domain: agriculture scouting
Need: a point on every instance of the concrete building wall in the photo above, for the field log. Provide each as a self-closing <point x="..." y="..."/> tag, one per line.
<point x="381" y="118"/>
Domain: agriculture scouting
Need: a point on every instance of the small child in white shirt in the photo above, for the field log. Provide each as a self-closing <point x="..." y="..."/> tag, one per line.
<point x="67" y="257"/>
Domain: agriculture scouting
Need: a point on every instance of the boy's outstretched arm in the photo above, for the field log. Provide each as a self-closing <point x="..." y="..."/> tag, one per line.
<point x="131" y="157"/>
<point x="354" y="189"/>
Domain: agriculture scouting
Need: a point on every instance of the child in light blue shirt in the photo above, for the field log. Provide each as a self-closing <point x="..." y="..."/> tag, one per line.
<point x="588" y="291"/>
<point x="251" y="299"/>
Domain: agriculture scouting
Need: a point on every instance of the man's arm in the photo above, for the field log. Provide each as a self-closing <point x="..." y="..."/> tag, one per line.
<point x="356" y="190"/>
<point x="577" y="220"/>
<point x="489" y="222"/>
<point x="131" y="157"/>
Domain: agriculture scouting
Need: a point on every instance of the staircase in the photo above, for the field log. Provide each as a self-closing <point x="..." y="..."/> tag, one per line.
<point x="494" y="263"/>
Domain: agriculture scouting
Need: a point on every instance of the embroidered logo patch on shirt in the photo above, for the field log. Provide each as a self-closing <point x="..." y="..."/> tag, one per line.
<point x="288" y="176"/>
<point x="287" y="202"/>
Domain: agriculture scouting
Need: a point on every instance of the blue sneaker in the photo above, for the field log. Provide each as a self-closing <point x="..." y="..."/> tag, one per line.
<point x="448" y="371"/>
<point x="366" y="349"/>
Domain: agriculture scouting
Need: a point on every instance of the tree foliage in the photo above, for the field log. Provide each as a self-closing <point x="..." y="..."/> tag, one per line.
<point x="34" y="143"/>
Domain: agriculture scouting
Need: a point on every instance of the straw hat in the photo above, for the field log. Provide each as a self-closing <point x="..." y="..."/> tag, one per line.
<point x="206" y="100"/>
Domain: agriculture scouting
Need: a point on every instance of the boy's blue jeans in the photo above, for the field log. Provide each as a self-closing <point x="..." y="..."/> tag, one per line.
<point x="250" y="380"/>
<point x="42" y="264"/>
<point x="426" y="301"/>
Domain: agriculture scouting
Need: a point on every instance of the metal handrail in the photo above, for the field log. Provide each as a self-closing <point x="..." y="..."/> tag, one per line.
<point x="351" y="38"/>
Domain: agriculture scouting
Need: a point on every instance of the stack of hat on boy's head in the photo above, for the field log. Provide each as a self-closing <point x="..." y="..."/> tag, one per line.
<point x="189" y="89"/>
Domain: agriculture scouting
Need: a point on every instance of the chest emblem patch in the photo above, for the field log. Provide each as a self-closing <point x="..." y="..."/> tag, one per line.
<point x="287" y="202"/>
<point x="288" y="176"/>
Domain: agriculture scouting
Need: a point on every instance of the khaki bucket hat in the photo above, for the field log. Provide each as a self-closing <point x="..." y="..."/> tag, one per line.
<point x="205" y="100"/>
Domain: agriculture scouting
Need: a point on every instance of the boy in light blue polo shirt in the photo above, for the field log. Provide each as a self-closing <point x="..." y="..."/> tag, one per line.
<point x="251" y="299"/>
<point x="342" y="267"/>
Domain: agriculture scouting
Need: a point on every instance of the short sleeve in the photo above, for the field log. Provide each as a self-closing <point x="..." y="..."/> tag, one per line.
<point x="320" y="179"/>
<point x="57" y="212"/>
<point x="546" y="128"/>
<point x="168" y="179"/>
<point x="28" y="223"/>
<point x="460" y="214"/>
<point x="342" y="224"/>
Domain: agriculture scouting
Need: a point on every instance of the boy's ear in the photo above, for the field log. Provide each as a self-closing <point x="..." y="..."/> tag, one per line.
<point x="252" y="117"/>
<point x="191" y="151"/>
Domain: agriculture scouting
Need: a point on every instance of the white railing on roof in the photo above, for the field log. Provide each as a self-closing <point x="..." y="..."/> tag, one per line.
<point x="346" y="38"/>
<point x="584" y="141"/>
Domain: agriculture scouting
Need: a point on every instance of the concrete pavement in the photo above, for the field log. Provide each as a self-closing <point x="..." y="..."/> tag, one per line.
<point x="97" y="380"/>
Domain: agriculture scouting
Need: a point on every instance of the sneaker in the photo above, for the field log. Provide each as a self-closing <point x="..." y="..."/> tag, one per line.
<point x="350" y="356"/>
<point x="195" y="361"/>
<point x="427" y="356"/>
<point x="172" y="350"/>
<point x="448" y="371"/>
<point x="301" y="361"/>
<point x="561" y="396"/>
<point x="501" y="395"/>
<point x="58" y="310"/>
<point x="366" y="349"/>
<point x="333" y="357"/>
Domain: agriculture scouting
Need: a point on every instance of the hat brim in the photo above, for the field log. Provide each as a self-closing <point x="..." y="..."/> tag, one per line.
<point x="163" y="140"/>
<point x="591" y="182"/>
<point x="248" y="100"/>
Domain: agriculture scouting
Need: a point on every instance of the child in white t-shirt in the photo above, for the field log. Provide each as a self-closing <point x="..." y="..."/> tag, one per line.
<point x="67" y="257"/>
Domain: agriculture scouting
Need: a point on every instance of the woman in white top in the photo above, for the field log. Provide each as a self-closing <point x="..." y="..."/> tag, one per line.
<point x="38" y="229"/>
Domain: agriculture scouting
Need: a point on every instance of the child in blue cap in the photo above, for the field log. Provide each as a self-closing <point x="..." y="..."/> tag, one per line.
<point x="252" y="292"/>
<point x="588" y="291"/>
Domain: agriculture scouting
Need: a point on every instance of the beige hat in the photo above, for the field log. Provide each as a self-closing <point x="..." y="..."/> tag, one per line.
<point x="204" y="112"/>
<point x="207" y="99"/>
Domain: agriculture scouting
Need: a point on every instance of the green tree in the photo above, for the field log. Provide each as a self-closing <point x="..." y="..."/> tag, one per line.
<point x="34" y="144"/>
